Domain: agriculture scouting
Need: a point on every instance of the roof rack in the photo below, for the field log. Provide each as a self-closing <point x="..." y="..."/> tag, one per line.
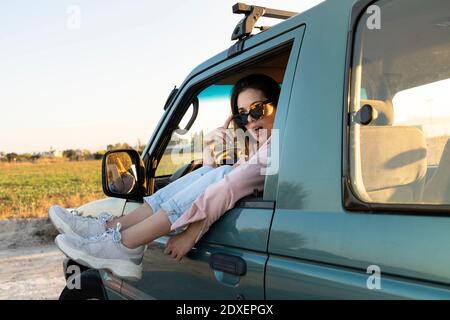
<point x="252" y="13"/>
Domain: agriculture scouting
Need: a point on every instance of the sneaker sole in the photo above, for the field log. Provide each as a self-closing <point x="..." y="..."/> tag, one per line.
<point x="122" y="269"/>
<point x="59" y="224"/>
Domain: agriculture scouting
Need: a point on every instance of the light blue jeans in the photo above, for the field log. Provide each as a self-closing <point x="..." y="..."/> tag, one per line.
<point x="178" y="196"/>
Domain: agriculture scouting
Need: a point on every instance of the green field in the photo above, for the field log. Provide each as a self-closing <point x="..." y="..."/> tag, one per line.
<point x="28" y="190"/>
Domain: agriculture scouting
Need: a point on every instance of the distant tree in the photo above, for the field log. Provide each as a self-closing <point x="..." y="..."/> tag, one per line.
<point x="35" y="156"/>
<point x="87" y="155"/>
<point x="12" y="157"/>
<point x="99" y="154"/>
<point x="69" y="154"/>
<point x="118" y="146"/>
<point x="124" y="146"/>
<point x="78" y="155"/>
<point x="25" y="157"/>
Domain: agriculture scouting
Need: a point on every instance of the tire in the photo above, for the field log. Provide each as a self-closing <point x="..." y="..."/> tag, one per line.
<point x="91" y="287"/>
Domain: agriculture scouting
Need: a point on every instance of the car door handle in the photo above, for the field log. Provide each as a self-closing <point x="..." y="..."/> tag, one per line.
<point x="227" y="263"/>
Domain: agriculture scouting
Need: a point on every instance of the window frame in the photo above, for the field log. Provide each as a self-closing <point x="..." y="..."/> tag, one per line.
<point x="350" y="200"/>
<point x="196" y="84"/>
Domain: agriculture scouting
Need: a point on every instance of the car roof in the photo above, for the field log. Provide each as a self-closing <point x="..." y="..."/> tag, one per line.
<point x="273" y="31"/>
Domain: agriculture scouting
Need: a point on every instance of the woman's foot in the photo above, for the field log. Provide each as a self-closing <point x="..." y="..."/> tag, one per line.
<point x="104" y="251"/>
<point x="75" y="224"/>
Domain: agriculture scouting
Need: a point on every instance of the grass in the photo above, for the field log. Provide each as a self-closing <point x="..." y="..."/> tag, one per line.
<point x="29" y="189"/>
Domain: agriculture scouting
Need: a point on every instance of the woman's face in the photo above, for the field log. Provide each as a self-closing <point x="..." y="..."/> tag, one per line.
<point x="260" y="129"/>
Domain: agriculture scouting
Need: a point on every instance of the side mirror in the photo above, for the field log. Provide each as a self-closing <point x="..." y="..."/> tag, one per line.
<point x="123" y="174"/>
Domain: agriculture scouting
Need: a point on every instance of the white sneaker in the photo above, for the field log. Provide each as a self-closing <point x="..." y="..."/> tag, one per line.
<point x="104" y="251"/>
<point x="75" y="224"/>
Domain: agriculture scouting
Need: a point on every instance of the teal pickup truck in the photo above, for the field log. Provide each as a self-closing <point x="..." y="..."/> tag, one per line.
<point x="359" y="207"/>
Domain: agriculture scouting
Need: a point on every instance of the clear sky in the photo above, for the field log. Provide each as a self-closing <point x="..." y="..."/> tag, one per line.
<point x="82" y="74"/>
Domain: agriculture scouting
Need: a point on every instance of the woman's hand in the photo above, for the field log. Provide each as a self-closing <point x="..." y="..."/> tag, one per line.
<point x="178" y="246"/>
<point x="222" y="136"/>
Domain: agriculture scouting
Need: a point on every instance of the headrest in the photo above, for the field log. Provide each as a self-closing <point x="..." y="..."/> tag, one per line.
<point x="392" y="156"/>
<point x="385" y="112"/>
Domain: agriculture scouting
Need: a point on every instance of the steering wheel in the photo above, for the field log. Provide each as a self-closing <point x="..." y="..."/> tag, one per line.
<point x="227" y="156"/>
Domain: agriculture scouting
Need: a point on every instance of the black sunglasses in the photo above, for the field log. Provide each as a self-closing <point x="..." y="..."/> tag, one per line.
<point x="257" y="110"/>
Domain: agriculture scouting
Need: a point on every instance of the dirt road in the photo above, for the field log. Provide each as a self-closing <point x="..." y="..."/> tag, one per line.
<point x="30" y="264"/>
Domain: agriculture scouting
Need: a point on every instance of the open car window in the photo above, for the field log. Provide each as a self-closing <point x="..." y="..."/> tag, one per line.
<point x="186" y="146"/>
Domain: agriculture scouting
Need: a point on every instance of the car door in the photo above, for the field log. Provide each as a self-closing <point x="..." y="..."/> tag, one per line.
<point x="358" y="215"/>
<point x="229" y="261"/>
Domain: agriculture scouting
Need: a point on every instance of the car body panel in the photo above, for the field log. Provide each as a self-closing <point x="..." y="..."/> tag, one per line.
<point x="300" y="279"/>
<point x="309" y="203"/>
<point x="114" y="206"/>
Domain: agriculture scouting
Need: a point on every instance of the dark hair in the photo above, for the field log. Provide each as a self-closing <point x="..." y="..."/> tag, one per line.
<point x="266" y="84"/>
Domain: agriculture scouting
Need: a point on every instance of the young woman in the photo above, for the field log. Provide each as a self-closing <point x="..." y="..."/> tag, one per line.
<point x="193" y="202"/>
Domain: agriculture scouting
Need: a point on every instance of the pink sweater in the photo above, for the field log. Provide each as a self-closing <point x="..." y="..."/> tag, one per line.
<point x="221" y="196"/>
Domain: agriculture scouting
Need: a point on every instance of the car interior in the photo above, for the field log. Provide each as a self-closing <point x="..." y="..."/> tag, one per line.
<point x="394" y="159"/>
<point x="273" y="65"/>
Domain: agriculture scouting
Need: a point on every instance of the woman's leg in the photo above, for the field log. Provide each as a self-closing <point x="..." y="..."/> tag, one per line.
<point x="155" y="200"/>
<point x="147" y="230"/>
<point x="164" y="194"/>
<point x="134" y="217"/>
<point x="183" y="200"/>
<point x="160" y="223"/>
